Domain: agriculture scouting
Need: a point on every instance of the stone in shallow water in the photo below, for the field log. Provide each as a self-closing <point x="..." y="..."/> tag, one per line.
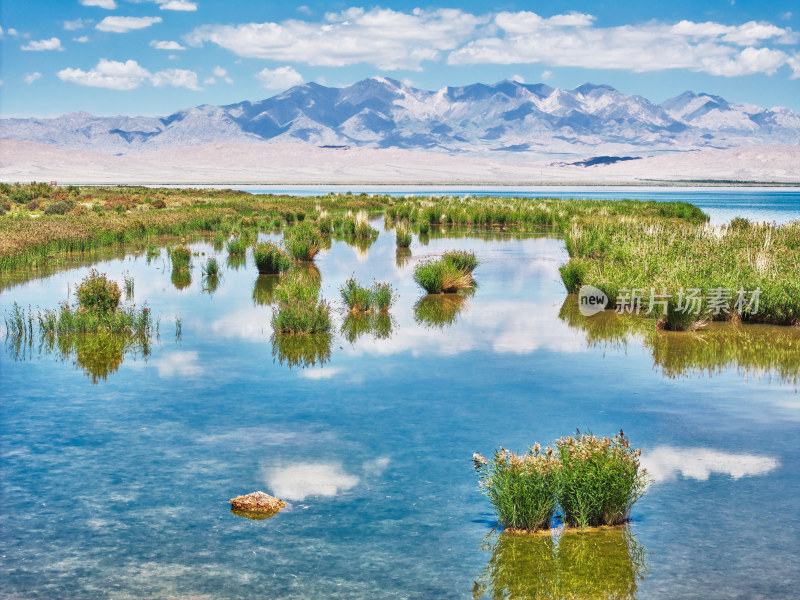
<point x="257" y="502"/>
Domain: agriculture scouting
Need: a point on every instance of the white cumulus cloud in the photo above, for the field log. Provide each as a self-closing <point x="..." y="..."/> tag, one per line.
<point x="166" y="45"/>
<point x="182" y="5"/>
<point x="128" y="75"/>
<point x="387" y="38"/>
<point x="40" y="45"/>
<point x="573" y="40"/>
<point x="280" y="78"/>
<point x="81" y="40"/>
<point x="107" y="4"/>
<point x="31" y="77"/>
<point x="125" y="24"/>
<point x="185" y="364"/>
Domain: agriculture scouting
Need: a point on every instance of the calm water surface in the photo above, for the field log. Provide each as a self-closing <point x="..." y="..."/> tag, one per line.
<point x="116" y="476"/>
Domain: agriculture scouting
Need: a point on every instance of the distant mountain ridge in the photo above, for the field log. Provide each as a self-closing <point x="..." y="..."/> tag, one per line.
<point x="501" y="120"/>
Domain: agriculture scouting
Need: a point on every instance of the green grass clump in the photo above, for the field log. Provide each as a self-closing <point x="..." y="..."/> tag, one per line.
<point x="380" y="297"/>
<point x="298" y="308"/>
<point x="522" y="488"/>
<point x="270" y="258"/>
<point x="600" y="479"/>
<point x="237" y="246"/>
<point x="572" y="275"/>
<point x="594" y="481"/>
<point x="402" y="237"/>
<point x="181" y="258"/>
<point x="211" y="269"/>
<point x="461" y="259"/>
<point x="98" y="294"/>
<point x="302" y="242"/>
<point x="424" y="228"/>
<point x="356" y="297"/>
<point x="302" y="350"/>
<point x="442" y="276"/>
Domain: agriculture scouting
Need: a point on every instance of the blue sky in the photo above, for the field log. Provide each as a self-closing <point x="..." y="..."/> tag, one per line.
<point x="152" y="57"/>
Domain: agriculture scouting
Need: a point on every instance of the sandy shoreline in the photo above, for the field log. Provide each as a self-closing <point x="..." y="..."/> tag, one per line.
<point x="298" y="164"/>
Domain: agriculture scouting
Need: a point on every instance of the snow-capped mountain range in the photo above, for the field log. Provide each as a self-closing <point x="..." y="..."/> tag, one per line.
<point x="500" y="120"/>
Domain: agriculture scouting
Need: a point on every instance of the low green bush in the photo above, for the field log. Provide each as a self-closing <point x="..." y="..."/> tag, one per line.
<point x="98" y="293"/>
<point x="270" y="258"/>
<point x="58" y="208"/>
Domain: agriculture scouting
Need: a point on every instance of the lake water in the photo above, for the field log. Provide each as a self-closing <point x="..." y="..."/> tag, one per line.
<point x="117" y="471"/>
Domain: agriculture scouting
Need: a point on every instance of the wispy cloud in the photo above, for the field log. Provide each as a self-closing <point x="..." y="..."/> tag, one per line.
<point x="166" y="45"/>
<point x="184" y="364"/>
<point x="128" y="75"/>
<point x="41" y="45"/>
<point x="126" y="24"/>
<point x="77" y="24"/>
<point x="280" y="78"/>
<point x="181" y="5"/>
<point x="107" y="4"/>
<point x="31" y="77"/>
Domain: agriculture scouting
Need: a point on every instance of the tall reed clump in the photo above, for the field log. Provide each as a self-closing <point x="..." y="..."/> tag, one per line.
<point x="181" y="258"/>
<point x="211" y="268"/>
<point x="298" y="308"/>
<point x="270" y="258"/>
<point x="522" y="489"/>
<point x="450" y="273"/>
<point x="302" y="242"/>
<point x="601" y="479"/>
<point x="237" y="246"/>
<point x="594" y="481"/>
<point x="402" y="237"/>
<point x="380" y="297"/>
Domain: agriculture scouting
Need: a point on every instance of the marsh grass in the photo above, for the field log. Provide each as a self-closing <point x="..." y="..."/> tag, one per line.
<point x="270" y="258"/>
<point x="181" y="258"/>
<point x="594" y="481"/>
<point x="462" y="260"/>
<point x="601" y="479"/>
<point x="302" y="242"/>
<point x="443" y="276"/>
<point x="402" y="237"/>
<point x="522" y="488"/>
<point x="357" y="298"/>
<point x="298" y="309"/>
<point x="264" y="289"/>
<point x="211" y="268"/>
<point x="237" y="246"/>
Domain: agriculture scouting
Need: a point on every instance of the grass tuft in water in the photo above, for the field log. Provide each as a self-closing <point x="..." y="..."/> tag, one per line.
<point x="445" y="275"/>
<point x="380" y="297"/>
<point x="402" y="237"/>
<point x="270" y="258"/>
<point x="302" y="242"/>
<point x="181" y="258"/>
<point x="211" y="268"/>
<point x="96" y="292"/>
<point x="298" y="308"/>
<point x="601" y="479"/>
<point x="522" y="488"/>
